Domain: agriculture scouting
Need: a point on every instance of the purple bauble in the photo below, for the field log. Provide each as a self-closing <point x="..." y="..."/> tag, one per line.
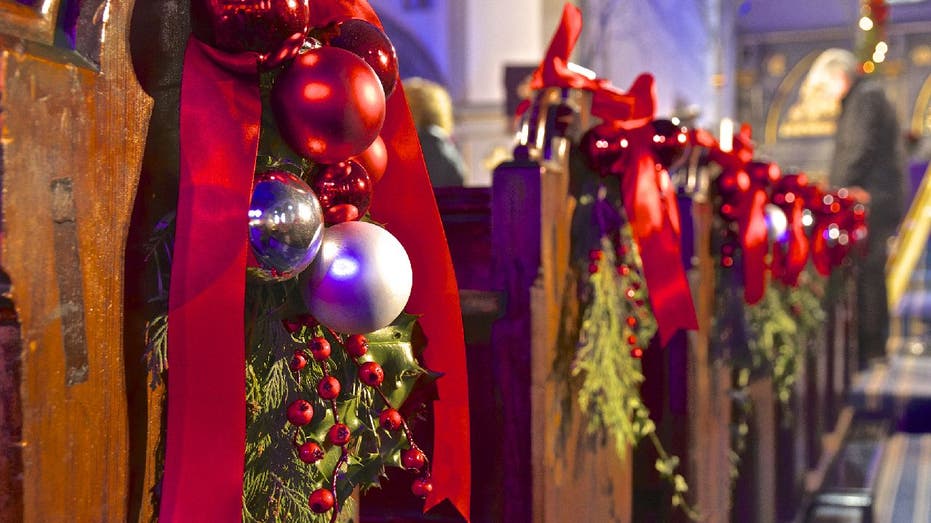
<point x="361" y="280"/>
<point x="285" y="225"/>
<point x="275" y="29"/>
<point x="370" y="43"/>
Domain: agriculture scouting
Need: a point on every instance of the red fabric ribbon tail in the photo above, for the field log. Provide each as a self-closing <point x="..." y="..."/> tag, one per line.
<point x="220" y="119"/>
<point x="554" y="69"/>
<point x="754" y="241"/>
<point x="797" y="256"/>
<point x="649" y="214"/>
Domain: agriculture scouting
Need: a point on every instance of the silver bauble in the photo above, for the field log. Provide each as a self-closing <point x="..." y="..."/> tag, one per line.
<point x="361" y="280"/>
<point x="777" y="225"/>
<point x="285" y="225"/>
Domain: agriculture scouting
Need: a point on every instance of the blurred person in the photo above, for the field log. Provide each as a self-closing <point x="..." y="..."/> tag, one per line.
<point x="869" y="162"/>
<point x="432" y="110"/>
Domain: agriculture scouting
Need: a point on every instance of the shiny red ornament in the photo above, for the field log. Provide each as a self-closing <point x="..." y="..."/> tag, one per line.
<point x="357" y="345"/>
<point x="344" y="190"/>
<point x="671" y="143"/>
<point x="300" y="412"/>
<point x="390" y="419"/>
<point x="602" y="147"/>
<point x="319" y="348"/>
<point x="339" y="434"/>
<point x="374" y="160"/>
<point x="275" y="29"/>
<point x="373" y="46"/>
<point x="422" y="487"/>
<point x="310" y="452"/>
<point x="328" y="104"/>
<point x="371" y="374"/>
<point x="298" y="362"/>
<point x="328" y="388"/>
<point x="321" y="500"/>
<point x="413" y="459"/>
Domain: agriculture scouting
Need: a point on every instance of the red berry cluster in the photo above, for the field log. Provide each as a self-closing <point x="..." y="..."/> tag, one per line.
<point x="300" y="412"/>
<point x="623" y="270"/>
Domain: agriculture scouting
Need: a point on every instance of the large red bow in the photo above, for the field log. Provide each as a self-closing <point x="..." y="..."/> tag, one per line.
<point x="220" y="92"/>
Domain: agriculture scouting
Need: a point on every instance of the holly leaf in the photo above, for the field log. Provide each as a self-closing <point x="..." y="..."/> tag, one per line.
<point x="394" y="348"/>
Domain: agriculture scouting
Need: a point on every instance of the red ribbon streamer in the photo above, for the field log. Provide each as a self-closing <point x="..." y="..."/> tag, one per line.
<point x="220" y="120"/>
<point x="405" y="203"/>
<point x="652" y="208"/>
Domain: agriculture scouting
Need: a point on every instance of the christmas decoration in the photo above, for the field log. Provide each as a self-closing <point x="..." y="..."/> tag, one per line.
<point x="371" y="44"/>
<point x="311" y="402"/>
<point x="329" y="105"/>
<point x="670" y="143"/>
<point x="285" y="225"/>
<point x="872" y="42"/>
<point x="361" y="280"/>
<point x="777" y="225"/>
<point x="374" y="160"/>
<point x="602" y="146"/>
<point x="344" y="189"/>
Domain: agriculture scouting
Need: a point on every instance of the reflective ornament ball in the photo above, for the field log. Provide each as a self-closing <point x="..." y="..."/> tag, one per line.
<point x="373" y="46"/>
<point x="602" y="146"/>
<point x="777" y="225"/>
<point x="344" y="190"/>
<point x="275" y="29"/>
<point x="285" y="225"/>
<point x="328" y="104"/>
<point x="670" y="143"/>
<point x="361" y="280"/>
<point x="374" y="159"/>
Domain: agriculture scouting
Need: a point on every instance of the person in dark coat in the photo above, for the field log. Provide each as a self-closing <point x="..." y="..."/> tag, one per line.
<point x="869" y="161"/>
<point x="432" y="110"/>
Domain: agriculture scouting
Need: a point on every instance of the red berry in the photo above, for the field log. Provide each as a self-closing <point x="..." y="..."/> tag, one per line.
<point x="390" y="419"/>
<point x="298" y="362"/>
<point x="422" y="487"/>
<point x="594" y="255"/>
<point x="319" y="347"/>
<point x="631" y="321"/>
<point x="623" y="270"/>
<point x="339" y="434"/>
<point x="300" y="412"/>
<point x="632" y="339"/>
<point x="636" y="352"/>
<point x="357" y="345"/>
<point x="371" y="374"/>
<point x="328" y="388"/>
<point x="292" y="325"/>
<point x="413" y="459"/>
<point x="592" y="268"/>
<point x="310" y="452"/>
<point x="321" y="500"/>
<point x="630" y="293"/>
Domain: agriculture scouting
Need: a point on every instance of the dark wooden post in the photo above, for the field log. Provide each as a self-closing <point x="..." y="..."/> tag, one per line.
<point x="74" y="121"/>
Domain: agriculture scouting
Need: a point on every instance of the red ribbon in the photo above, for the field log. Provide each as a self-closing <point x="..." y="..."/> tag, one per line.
<point x="405" y="203"/>
<point x="651" y="206"/>
<point x="554" y="69"/>
<point x="220" y="120"/>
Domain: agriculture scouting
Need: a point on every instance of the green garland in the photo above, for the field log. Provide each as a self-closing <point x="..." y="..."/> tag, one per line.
<point x="617" y="324"/>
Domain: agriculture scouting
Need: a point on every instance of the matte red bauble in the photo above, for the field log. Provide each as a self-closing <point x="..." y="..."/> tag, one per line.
<point x="374" y="160"/>
<point x="602" y="146"/>
<point x="344" y="191"/>
<point x="373" y="46"/>
<point x="328" y="104"/>
<point x="670" y="143"/>
<point x="275" y="29"/>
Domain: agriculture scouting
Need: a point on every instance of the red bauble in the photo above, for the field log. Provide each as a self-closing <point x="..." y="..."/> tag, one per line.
<point x="319" y="347"/>
<point x="300" y="412"/>
<point x="374" y="160"/>
<point x="298" y="362"/>
<point x="390" y="419"/>
<point x="339" y="434"/>
<point x="275" y="29"/>
<point x="328" y="104"/>
<point x="732" y="182"/>
<point x="328" y="388"/>
<point x="357" y="345"/>
<point x="371" y="374"/>
<point x="321" y="500"/>
<point x="670" y="143"/>
<point x="602" y="146"/>
<point x="413" y="459"/>
<point x="344" y="190"/>
<point x="422" y="487"/>
<point x="310" y="452"/>
<point x="373" y="46"/>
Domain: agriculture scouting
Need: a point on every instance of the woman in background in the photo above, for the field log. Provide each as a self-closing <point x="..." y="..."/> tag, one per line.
<point x="432" y="110"/>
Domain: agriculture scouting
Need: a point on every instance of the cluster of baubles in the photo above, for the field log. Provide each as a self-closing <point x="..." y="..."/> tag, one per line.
<point x="605" y="147"/>
<point x="329" y="104"/>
